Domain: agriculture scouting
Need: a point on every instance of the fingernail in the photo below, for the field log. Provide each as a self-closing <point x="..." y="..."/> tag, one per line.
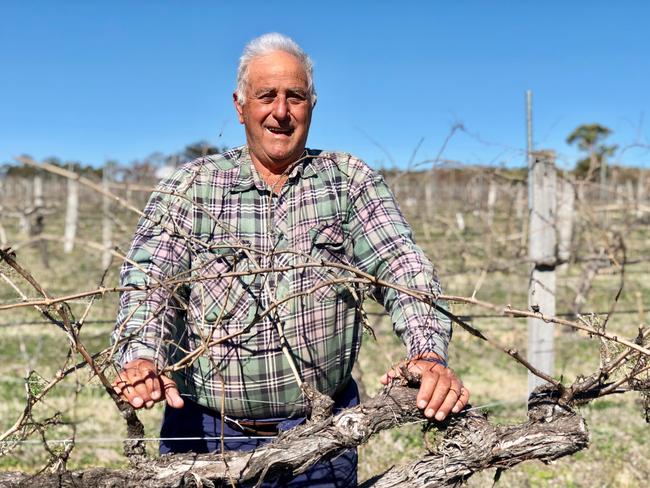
<point x="429" y="412"/>
<point x="455" y="409"/>
<point x="149" y="404"/>
<point x="137" y="401"/>
<point x="440" y="416"/>
<point x="155" y="395"/>
<point x="422" y="403"/>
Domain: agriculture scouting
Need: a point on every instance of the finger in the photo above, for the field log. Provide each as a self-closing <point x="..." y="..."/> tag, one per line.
<point x="462" y="400"/>
<point x="172" y="395"/>
<point x="450" y="401"/>
<point x="136" y="381"/>
<point x="122" y="387"/>
<point x="120" y="382"/>
<point x="142" y="387"/>
<point x="140" y="379"/>
<point x="439" y="394"/>
<point x="129" y="395"/>
<point x="153" y="385"/>
<point x="155" y="392"/>
<point x="388" y="377"/>
<point x="117" y="386"/>
<point x="428" y="385"/>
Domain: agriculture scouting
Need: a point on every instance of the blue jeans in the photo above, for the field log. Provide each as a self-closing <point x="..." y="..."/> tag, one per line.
<point x="194" y="420"/>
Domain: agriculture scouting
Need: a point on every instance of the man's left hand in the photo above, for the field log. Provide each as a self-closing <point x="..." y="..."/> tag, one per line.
<point x="441" y="391"/>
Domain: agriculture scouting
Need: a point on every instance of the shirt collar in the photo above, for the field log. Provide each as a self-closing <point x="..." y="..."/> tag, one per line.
<point x="249" y="177"/>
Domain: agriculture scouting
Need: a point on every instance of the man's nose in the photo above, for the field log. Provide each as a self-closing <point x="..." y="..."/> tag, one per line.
<point x="280" y="108"/>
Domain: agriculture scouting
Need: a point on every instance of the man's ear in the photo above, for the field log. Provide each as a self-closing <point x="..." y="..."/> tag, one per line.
<point x="238" y="107"/>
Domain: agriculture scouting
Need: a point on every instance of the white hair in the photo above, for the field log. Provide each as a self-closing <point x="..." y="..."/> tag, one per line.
<point x="267" y="44"/>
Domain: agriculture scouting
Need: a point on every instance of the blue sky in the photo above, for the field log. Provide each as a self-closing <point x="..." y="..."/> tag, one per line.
<point x="91" y="80"/>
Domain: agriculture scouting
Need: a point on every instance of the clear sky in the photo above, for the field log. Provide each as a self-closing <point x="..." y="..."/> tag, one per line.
<point x="97" y="80"/>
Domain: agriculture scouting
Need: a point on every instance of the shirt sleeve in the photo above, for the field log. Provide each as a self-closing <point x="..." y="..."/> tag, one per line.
<point x="150" y="311"/>
<point x="384" y="247"/>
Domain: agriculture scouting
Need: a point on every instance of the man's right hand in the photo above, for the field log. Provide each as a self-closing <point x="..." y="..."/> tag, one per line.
<point x="140" y="385"/>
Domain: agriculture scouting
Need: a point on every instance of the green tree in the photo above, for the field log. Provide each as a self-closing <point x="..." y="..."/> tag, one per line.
<point x="199" y="149"/>
<point x="24" y="171"/>
<point x="589" y="138"/>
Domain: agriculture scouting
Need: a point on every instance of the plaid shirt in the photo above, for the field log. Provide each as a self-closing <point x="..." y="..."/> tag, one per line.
<point x="221" y="263"/>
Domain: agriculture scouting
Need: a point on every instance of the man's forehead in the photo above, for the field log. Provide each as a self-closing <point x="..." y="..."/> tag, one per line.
<point x="277" y="64"/>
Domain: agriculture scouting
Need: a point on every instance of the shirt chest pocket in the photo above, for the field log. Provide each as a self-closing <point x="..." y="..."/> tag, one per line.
<point x="319" y="276"/>
<point x="223" y="293"/>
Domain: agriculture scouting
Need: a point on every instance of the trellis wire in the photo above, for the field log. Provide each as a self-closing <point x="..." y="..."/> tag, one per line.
<point x="466" y="318"/>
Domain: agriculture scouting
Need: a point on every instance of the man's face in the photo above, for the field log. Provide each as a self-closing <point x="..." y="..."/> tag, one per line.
<point x="277" y="112"/>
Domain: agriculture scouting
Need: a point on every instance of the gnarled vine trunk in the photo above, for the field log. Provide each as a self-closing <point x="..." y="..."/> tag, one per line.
<point x="470" y="444"/>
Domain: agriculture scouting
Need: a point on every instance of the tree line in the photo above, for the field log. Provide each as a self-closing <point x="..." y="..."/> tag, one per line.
<point x="590" y="139"/>
<point x="137" y="170"/>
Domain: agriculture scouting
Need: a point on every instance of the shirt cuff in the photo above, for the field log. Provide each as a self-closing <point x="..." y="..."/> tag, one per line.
<point x="431" y="359"/>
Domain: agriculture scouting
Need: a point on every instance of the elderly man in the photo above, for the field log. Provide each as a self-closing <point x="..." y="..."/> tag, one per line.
<point x="246" y="281"/>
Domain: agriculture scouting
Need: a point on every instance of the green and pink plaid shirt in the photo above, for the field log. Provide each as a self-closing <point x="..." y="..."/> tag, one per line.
<point x="219" y="263"/>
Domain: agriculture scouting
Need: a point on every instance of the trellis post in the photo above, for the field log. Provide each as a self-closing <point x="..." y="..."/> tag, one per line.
<point x="71" y="215"/>
<point x="565" y="212"/>
<point x="541" y="250"/>
<point x="107" y="231"/>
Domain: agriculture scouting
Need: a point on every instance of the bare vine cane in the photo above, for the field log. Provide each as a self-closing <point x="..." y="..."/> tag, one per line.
<point x="134" y="449"/>
<point x="263" y="458"/>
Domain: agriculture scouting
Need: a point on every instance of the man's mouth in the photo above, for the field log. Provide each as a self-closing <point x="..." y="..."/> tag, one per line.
<point x="280" y="130"/>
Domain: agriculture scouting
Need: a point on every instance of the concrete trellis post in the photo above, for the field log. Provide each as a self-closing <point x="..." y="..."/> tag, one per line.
<point x="620" y="195"/>
<point x="491" y="201"/>
<point x="565" y="212"/>
<point x="429" y="194"/>
<point x="460" y="222"/>
<point x="520" y="202"/>
<point x="603" y="178"/>
<point x="640" y="193"/>
<point x="28" y="195"/>
<point x="628" y="194"/>
<point x="38" y="191"/>
<point x="106" y="220"/>
<point x="429" y="202"/>
<point x="71" y="216"/>
<point x="541" y="251"/>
